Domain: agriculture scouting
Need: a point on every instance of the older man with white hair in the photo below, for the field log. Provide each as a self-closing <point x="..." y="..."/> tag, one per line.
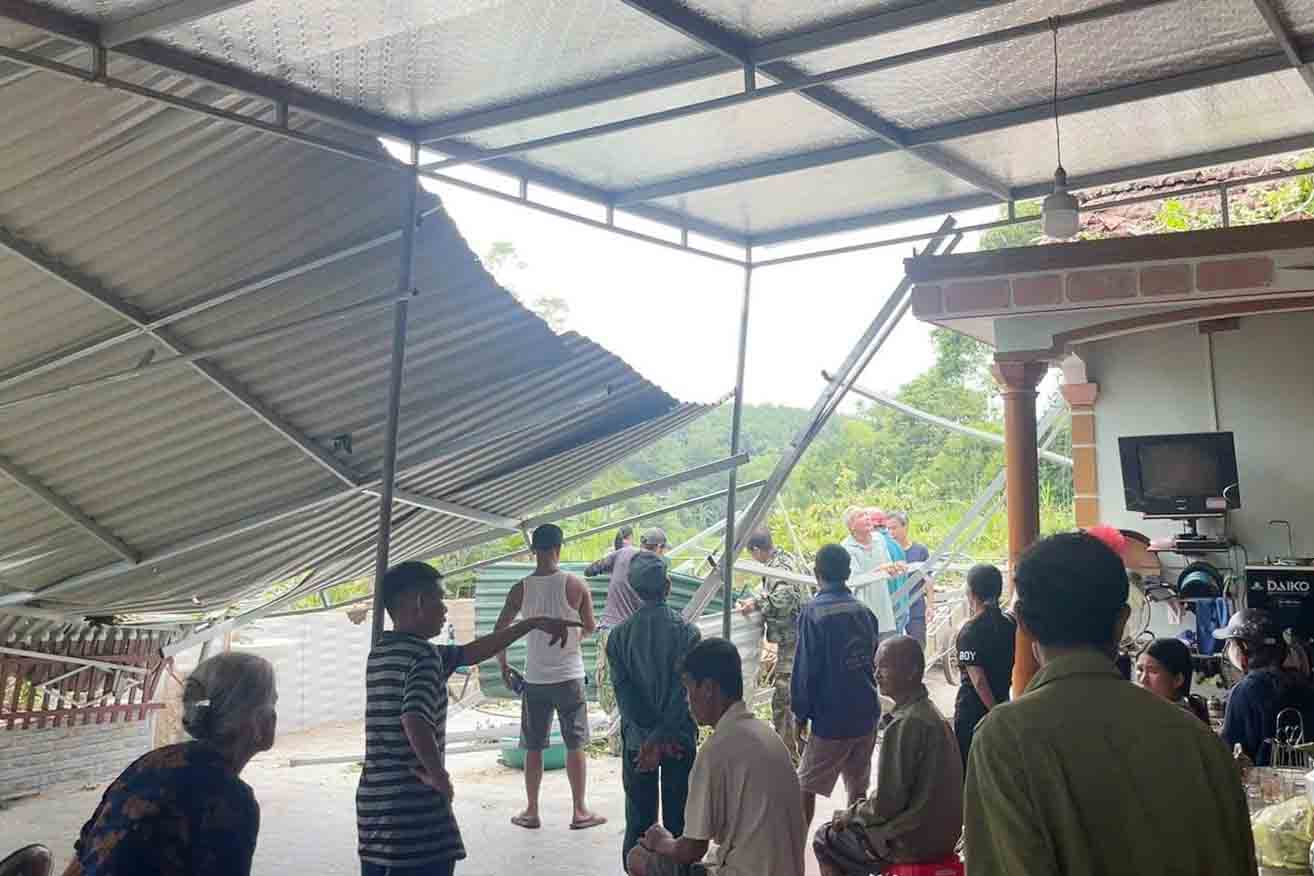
<point x="868" y="555"/>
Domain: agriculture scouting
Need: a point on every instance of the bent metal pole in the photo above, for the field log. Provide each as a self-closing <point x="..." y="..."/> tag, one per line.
<point x="405" y="286"/>
<point x="736" y="416"/>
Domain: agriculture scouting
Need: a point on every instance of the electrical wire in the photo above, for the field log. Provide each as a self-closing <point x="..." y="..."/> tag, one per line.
<point x="1058" y="138"/>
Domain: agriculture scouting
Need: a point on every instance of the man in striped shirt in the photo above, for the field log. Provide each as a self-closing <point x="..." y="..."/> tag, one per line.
<point x="404" y="799"/>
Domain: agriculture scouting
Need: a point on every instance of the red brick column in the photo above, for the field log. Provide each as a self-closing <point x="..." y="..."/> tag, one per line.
<point x="1018" y="382"/>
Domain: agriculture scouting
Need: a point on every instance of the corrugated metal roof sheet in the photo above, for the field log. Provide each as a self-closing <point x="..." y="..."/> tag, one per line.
<point x="475" y="75"/>
<point x="163" y="212"/>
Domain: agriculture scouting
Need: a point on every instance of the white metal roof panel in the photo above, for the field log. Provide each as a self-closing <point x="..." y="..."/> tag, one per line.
<point x="425" y="60"/>
<point x="1260" y="109"/>
<point x="1153" y="43"/>
<point x="769" y="204"/>
<point x="768" y="19"/>
<point x="722" y="138"/>
<point x="500" y="72"/>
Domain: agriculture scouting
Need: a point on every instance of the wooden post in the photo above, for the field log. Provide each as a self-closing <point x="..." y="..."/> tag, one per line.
<point x="1018" y="382"/>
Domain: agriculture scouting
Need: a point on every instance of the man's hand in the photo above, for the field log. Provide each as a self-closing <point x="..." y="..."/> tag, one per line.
<point x="843" y="818"/>
<point x="510" y="677"/>
<point x="440" y="782"/>
<point x="648" y="758"/>
<point x="654" y="836"/>
<point x="747" y="606"/>
<point x="555" y="627"/>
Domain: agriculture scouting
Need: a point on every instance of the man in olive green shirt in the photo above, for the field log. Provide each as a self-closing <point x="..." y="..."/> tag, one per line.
<point x="1086" y="774"/>
<point x="916" y="814"/>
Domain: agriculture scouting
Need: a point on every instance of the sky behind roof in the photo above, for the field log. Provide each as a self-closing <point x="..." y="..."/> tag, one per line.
<point x="674" y="316"/>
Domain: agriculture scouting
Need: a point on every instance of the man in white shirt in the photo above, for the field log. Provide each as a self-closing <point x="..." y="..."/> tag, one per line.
<point x="743" y="793"/>
<point x="869" y="555"/>
<point x="553" y="680"/>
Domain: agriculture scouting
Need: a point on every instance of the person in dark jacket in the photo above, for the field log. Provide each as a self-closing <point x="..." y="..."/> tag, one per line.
<point x="1255" y="646"/>
<point x="834" y="684"/>
<point x="658" y="735"/>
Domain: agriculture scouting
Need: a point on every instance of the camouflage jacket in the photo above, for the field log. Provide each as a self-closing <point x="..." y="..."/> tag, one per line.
<point x="780" y="602"/>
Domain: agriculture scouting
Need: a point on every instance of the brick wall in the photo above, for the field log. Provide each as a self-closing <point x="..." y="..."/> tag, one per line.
<point x="88" y="754"/>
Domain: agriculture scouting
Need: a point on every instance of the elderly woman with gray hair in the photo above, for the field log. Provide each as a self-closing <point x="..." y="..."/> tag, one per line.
<point x="181" y="810"/>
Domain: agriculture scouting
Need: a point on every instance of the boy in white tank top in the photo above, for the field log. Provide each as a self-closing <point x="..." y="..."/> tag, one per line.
<point x="553" y="680"/>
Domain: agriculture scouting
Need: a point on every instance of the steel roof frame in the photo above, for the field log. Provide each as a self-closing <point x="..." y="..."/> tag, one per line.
<point x="316" y="105"/>
<point x="767" y="58"/>
<point x="786" y="73"/>
<point x="1285" y="41"/>
<point x="93" y="289"/>
<point x="778" y="49"/>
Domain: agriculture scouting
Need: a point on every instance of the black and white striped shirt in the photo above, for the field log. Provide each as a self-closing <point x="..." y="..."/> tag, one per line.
<point x="401" y="821"/>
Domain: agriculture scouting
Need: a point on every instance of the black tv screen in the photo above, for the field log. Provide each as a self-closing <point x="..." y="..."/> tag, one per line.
<point x="1180" y="475"/>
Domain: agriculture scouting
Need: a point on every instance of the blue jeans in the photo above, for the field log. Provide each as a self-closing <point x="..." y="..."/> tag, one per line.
<point x="436" y="868"/>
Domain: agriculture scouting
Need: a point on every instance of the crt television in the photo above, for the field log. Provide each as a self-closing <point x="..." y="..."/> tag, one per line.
<point x="1180" y="475"/>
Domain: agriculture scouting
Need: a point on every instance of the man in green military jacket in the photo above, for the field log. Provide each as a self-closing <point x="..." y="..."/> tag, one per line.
<point x="780" y="602"/>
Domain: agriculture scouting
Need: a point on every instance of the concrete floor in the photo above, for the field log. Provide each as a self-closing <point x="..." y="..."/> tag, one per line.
<point x="308" y="812"/>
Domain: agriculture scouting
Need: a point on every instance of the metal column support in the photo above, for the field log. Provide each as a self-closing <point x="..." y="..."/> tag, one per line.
<point x="736" y="420"/>
<point x="405" y="285"/>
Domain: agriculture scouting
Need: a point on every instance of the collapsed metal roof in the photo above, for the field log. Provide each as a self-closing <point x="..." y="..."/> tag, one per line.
<point x="755" y="122"/>
<point x="195" y="336"/>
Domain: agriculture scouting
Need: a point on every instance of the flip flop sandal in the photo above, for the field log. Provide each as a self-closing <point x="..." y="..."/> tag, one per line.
<point x="526" y="822"/>
<point x="591" y="821"/>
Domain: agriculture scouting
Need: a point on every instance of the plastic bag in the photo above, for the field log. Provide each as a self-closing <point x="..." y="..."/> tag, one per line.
<point x="1283" y="833"/>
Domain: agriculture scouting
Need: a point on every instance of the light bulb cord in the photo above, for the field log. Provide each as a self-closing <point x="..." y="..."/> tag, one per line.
<point x="1058" y="137"/>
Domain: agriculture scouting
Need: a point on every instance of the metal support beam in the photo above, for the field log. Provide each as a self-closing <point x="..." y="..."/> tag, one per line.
<point x="95" y="291"/>
<point x="736" y="419"/>
<point x="643" y="489"/>
<point x="892" y="135"/>
<point x="224" y="295"/>
<point x="1285" y="41"/>
<point x="863" y="350"/>
<point x="199" y="541"/>
<point x="979" y="434"/>
<point x="264" y="336"/>
<point x="405" y="286"/>
<point x="126" y="30"/>
<point x="612" y="525"/>
<point x="451" y="509"/>
<point x="71" y="512"/>
<point x="1048" y="432"/>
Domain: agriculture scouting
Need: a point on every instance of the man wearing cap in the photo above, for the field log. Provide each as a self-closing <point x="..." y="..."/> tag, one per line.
<point x="780" y="602"/>
<point x="553" y="680"/>
<point x="1255" y="646"/>
<point x="622" y="602"/>
<point x="658" y="735"/>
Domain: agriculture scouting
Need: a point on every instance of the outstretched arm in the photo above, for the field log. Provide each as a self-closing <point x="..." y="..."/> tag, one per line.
<point x="490" y="645"/>
<point x="514" y="600"/>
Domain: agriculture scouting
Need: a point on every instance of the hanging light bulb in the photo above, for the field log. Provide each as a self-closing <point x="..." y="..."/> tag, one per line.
<point x="1061" y="214"/>
<point x="1060" y="210"/>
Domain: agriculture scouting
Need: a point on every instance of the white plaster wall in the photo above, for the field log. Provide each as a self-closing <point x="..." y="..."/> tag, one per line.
<point x="1156" y="382"/>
